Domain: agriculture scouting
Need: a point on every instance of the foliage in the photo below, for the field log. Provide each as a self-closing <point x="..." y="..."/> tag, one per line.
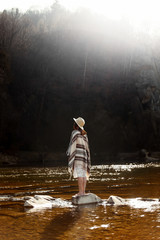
<point x="66" y="65"/>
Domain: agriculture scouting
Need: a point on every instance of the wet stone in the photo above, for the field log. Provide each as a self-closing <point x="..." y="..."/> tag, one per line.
<point x="86" y="199"/>
<point x="39" y="200"/>
<point x="45" y="201"/>
<point x="115" y="200"/>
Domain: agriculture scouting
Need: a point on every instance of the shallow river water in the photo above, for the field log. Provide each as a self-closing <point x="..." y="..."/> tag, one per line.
<point x="139" y="220"/>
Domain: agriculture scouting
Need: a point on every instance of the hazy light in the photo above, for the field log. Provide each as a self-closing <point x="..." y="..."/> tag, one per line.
<point x="24" y="5"/>
<point x="136" y="10"/>
<point x="145" y="12"/>
<point x="143" y="15"/>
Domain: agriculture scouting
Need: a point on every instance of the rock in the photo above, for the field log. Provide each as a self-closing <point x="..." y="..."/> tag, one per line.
<point x="114" y="200"/>
<point x="39" y="201"/>
<point x="142" y="156"/>
<point x="45" y="201"/>
<point x="44" y="197"/>
<point x="143" y="203"/>
<point x="147" y="199"/>
<point x="86" y="199"/>
<point x="8" y="160"/>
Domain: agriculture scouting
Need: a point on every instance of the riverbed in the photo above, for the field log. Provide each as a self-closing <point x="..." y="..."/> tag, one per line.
<point x="137" y="220"/>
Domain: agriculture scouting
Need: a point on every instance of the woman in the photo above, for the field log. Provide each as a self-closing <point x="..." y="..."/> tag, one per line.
<point x="79" y="155"/>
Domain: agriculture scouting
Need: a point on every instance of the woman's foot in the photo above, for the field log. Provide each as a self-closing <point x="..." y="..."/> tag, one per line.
<point x="79" y="194"/>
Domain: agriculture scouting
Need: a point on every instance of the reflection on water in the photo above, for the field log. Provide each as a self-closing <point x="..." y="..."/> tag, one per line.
<point x="138" y="219"/>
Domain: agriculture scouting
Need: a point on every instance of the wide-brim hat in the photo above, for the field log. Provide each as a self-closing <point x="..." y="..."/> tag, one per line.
<point x="80" y="122"/>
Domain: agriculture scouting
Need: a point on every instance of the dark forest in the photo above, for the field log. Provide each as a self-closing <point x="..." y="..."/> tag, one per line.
<point x="56" y="65"/>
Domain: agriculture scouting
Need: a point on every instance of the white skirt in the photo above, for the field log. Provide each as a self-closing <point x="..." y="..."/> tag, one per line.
<point x="79" y="172"/>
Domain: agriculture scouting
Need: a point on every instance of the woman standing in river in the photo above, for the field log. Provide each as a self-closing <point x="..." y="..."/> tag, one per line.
<point x="79" y="155"/>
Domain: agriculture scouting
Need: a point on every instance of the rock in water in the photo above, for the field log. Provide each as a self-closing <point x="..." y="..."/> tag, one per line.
<point x="86" y="199"/>
<point x="39" y="201"/>
<point x="114" y="200"/>
<point x="45" y="201"/>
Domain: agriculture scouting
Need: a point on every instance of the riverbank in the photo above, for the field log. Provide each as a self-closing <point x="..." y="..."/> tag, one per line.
<point x="54" y="159"/>
<point x="33" y="158"/>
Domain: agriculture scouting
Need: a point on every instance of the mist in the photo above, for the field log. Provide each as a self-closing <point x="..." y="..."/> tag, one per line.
<point x="58" y="64"/>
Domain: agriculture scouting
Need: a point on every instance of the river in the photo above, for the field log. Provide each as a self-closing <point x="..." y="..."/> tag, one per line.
<point x="138" y="220"/>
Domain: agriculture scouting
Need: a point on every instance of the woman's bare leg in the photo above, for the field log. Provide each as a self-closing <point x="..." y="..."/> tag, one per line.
<point x="82" y="185"/>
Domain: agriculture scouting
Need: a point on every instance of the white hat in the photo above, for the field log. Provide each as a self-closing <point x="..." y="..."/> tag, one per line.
<point x="80" y="122"/>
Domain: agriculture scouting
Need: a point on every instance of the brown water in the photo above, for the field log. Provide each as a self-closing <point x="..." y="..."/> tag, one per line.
<point x="133" y="221"/>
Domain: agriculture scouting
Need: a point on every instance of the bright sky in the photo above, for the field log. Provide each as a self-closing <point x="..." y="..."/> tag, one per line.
<point x="137" y="10"/>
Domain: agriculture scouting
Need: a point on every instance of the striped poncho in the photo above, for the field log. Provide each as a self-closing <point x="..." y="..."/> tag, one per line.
<point x="78" y="153"/>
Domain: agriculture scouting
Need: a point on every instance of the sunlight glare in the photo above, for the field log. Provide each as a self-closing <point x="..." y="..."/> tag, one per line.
<point x="137" y="11"/>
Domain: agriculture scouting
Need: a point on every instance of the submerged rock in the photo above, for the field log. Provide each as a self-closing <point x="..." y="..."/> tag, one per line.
<point x="86" y="199"/>
<point x="142" y="203"/>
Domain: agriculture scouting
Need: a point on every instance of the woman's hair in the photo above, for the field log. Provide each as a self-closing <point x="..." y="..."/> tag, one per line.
<point x="76" y="126"/>
<point x="83" y="132"/>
